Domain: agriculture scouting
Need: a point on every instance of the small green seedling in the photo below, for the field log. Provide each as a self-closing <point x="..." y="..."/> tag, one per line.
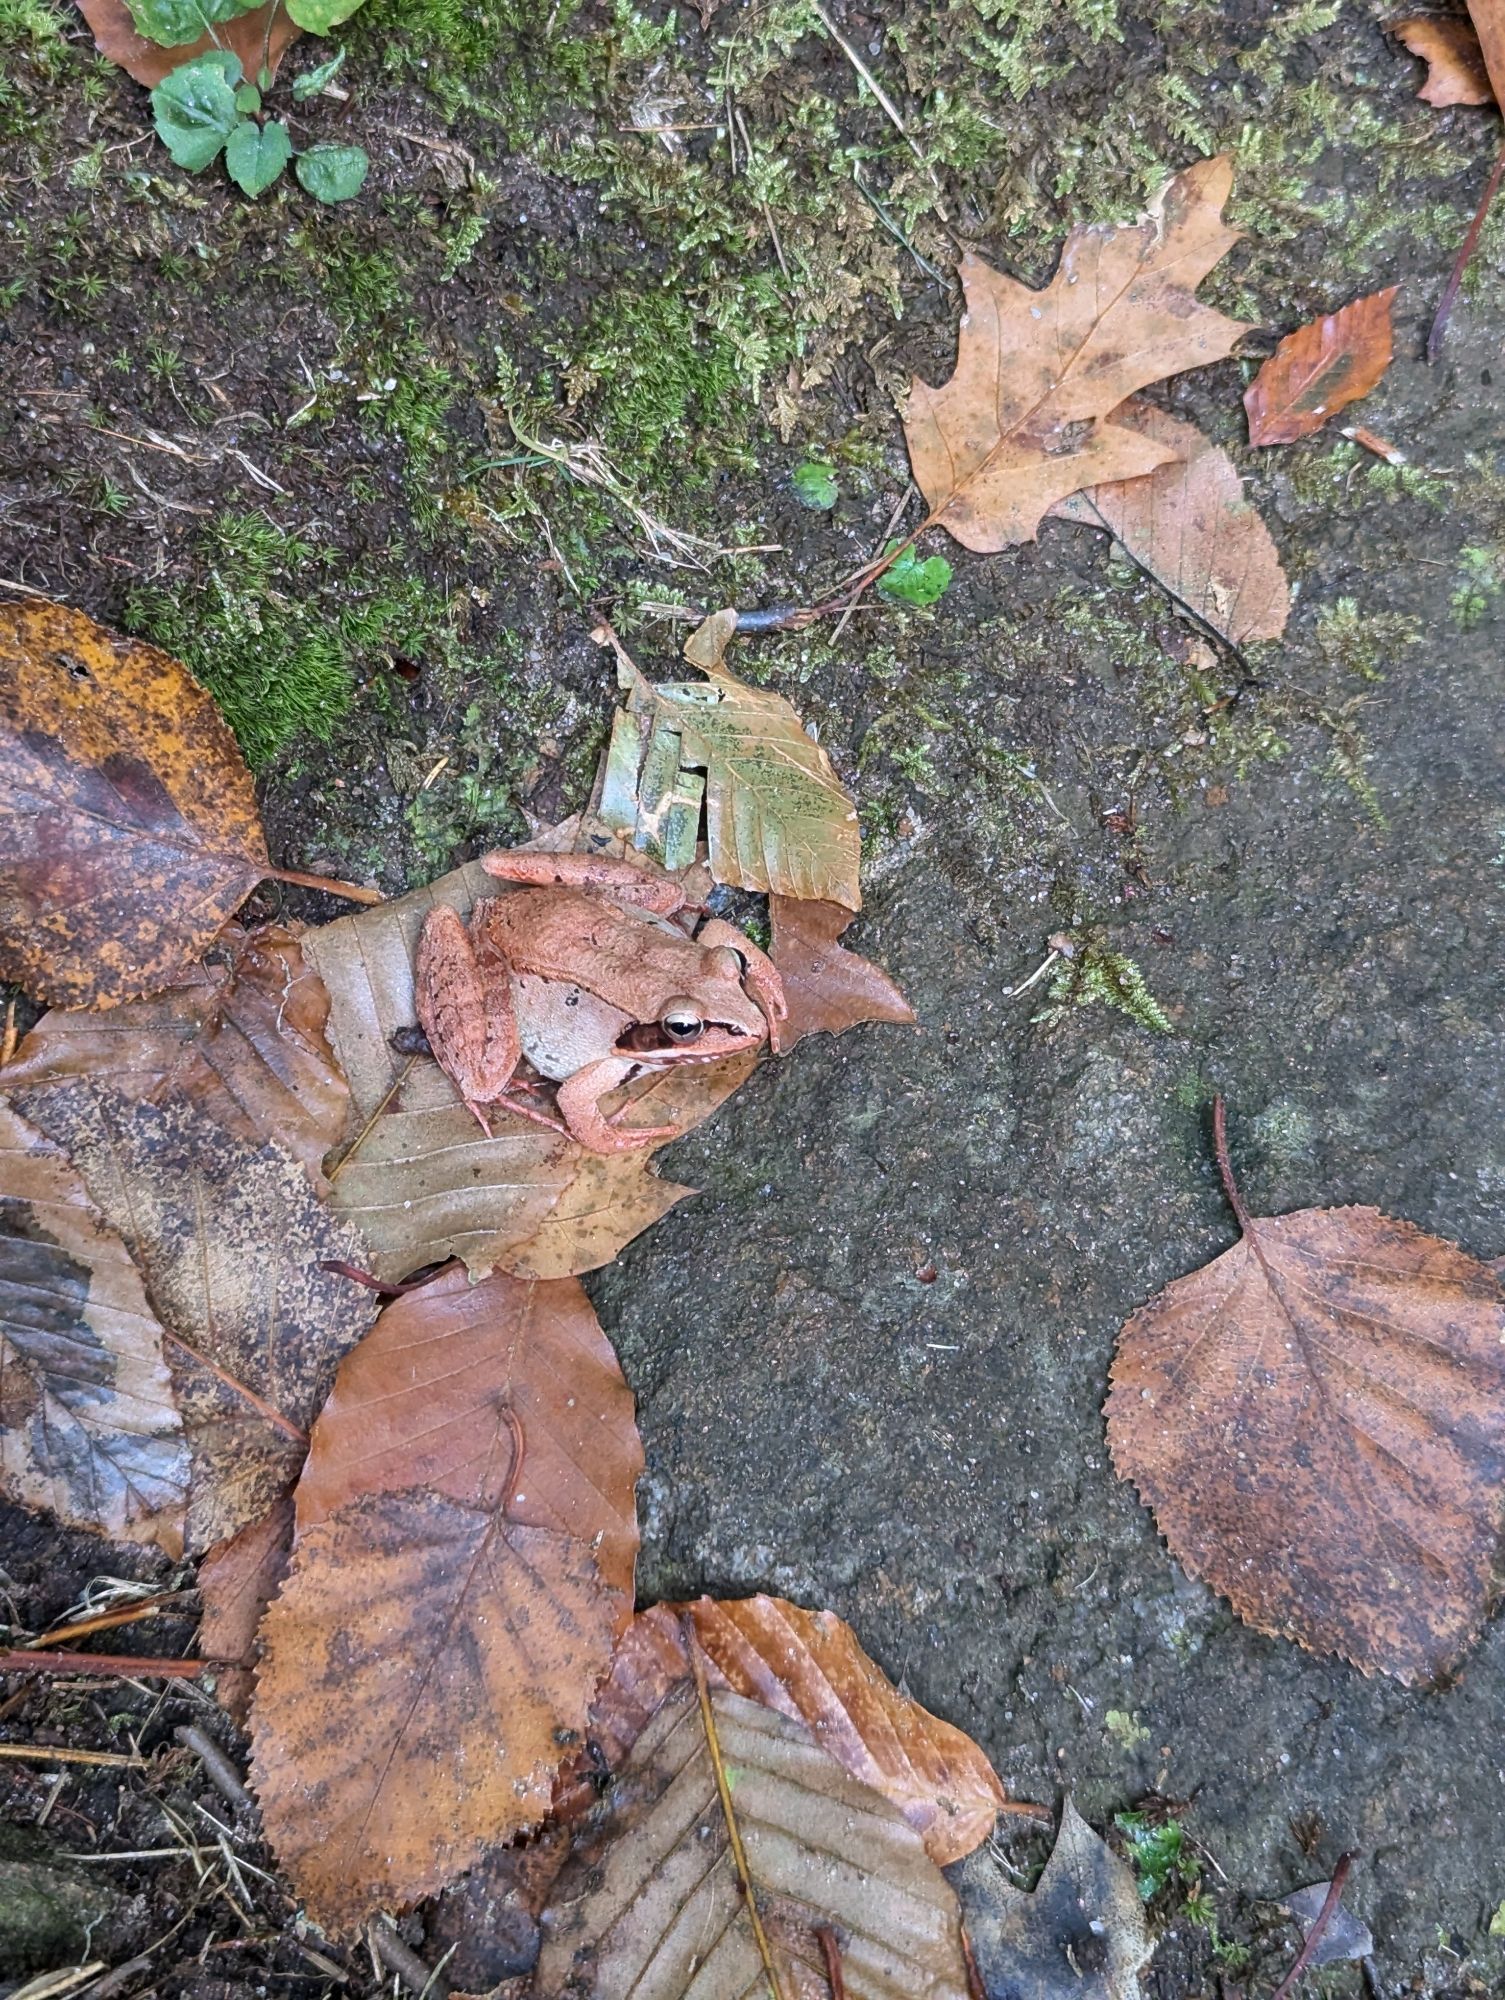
<point x="913" y="580"/>
<point x="208" y="106"/>
<point x="815" y="486"/>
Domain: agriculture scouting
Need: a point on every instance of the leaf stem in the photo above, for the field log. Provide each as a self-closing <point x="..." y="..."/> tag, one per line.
<point x="1314" y="1936"/>
<point x="1225" y="1167"/>
<point x="354" y="892"/>
<point x="1461" y="262"/>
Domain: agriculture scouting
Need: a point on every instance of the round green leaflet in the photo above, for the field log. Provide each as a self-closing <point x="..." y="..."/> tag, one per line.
<point x="169" y="23"/>
<point x="194" y="108"/>
<point x="332" y="173"/>
<point x="256" y="154"/>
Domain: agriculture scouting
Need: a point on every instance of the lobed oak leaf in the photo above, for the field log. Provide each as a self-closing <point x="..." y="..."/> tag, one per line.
<point x="1027" y="416"/>
<point x="1189" y="526"/>
<point x="1320" y="369"/>
<point x="268" y="29"/>
<point x="1317" y="1419"/>
<point x="88" y="1425"/>
<point x="230" y="1239"/>
<point x="655" y="1906"/>
<point x="1449" y="46"/>
<point x="242" y="1034"/>
<point x="466" y="1533"/>
<point x="826" y="987"/>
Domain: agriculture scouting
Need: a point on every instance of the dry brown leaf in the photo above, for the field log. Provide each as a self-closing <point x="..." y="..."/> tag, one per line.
<point x="245" y="36"/>
<point x="654" y="1910"/>
<point x="128" y="823"/>
<point x="1026" y="418"/>
<point x="237" y="1580"/>
<point x="230" y="1239"/>
<point x="88" y="1424"/>
<point x="1317" y="1419"/>
<point x="421" y="1180"/>
<point x="1320" y="369"/>
<point x="1189" y="526"/>
<point x="809" y="1666"/>
<point x="463" y="1563"/>
<point x="826" y="987"/>
<point x="1488" y="17"/>
<point x="242" y="1035"/>
<point x="1449" y="46"/>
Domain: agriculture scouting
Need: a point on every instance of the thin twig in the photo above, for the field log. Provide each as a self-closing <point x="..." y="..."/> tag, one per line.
<point x="118" y="1666"/>
<point x="408" y="1966"/>
<point x="217" y="1766"/>
<point x="386" y="1289"/>
<point x="1324" y="1917"/>
<point x="44" y="1753"/>
<point x="724" y="1792"/>
<point x="1460" y="264"/>
<point x="354" y="892"/>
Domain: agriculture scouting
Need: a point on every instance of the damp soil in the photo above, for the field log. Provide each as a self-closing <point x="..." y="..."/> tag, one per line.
<point x="870" y="1355"/>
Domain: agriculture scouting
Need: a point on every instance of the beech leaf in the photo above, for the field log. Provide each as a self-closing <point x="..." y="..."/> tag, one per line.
<point x="1449" y="46"/>
<point x="1189" y="526"/>
<point x="1026" y="417"/>
<point x="245" y="36"/>
<point x="1317" y="1419"/>
<point x="229" y="1238"/>
<point x="88" y="1424"/>
<point x="655" y="1910"/>
<point x="826" y="987"/>
<point x="809" y="1666"/>
<point x="466" y="1533"/>
<point x="1320" y="369"/>
<point x="128" y="823"/>
<point x="1079" y="1935"/>
<point x="242" y="1034"/>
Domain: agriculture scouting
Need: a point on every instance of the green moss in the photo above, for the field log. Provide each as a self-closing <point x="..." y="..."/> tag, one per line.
<point x="1476" y="593"/>
<point x="644" y="376"/>
<point x="1093" y="973"/>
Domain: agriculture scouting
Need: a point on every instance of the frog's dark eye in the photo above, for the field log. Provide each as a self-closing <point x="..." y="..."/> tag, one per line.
<point x="680" y="1022"/>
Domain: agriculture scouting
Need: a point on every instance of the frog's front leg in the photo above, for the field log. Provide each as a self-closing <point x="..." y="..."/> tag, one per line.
<point x="579" y="1103"/>
<point x="760" y="975"/>
<point x="464" y="996"/>
<point x="623" y="879"/>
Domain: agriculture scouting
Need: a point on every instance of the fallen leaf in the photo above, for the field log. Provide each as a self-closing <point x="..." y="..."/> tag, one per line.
<point x="1317" y="1419"/>
<point x="229" y="1238"/>
<point x="237" y="1580"/>
<point x="808" y="1666"/>
<point x="463" y="1563"/>
<point x="1449" y="46"/>
<point x="242" y="1035"/>
<point x="1320" y="369"/>
<point x="1344" y="1936"/>
<point x="245" y="36"/>
<point x="826" y="987"/>
<point x="1079" y="1935"/>
<point x="421" y="1180"/>
<point x="128" y="824"/>
<point x="88" y="1425"/>
<point x="654" y="1908"/>
<point x="1488" y="17"/>
<point x="1027" y="416"/>
<point x="1189" y="526"/>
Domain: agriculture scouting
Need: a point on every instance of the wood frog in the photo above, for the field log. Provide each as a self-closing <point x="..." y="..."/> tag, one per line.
<point x="583" y="971"/>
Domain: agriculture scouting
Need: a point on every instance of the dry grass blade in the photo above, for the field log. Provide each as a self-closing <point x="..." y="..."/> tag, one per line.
<point x="1449" y="46"/>
<point x="654" y="1909"/>
<point x="88" y="1423"/>
<point x="1352" y="1370"/>
<point x="230" y="1239"/>
<point x="243" y="1035"/>
<point x="128" y="822"/>
<point x="1320" y="369"/>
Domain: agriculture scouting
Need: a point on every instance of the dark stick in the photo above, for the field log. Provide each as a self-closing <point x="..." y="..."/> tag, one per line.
<point x="216" y="1766"/>
<point x="1330" y="1903"/>
<point x="1460" y="265"/>
<point x="408" y="1966"/>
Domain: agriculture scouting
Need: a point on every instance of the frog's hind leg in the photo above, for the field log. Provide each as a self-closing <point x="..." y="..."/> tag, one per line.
<point x="464" y="998"/>
<point x="580" y="1107"/>
<point x="623" y="879"/>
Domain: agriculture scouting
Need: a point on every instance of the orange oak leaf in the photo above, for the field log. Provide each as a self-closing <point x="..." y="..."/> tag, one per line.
<point x="242" y="1035"/>
<point x="1449" y="46"/>
<point x="1189" y="526"/>
<point x="466" y="1533"/>
<point x="809" y="1666"/>
<point x="88" y="1424"/>
<point x="826" y="987"/>
<point x="245" y="36"/>
<point x="1320" y="369"/>
<point x="1317" y="1419"/>
<point x="1026" y="418"/>
<point x="237" y="1580"/>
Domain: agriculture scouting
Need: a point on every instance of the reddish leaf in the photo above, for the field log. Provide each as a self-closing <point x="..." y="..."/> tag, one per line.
<point x="1449" y="46"/>
<point x="1189" y="525"/>
<point x="242" y="1035"/>
<point x="809" y="1666"/>
<point x="1317" y="1419"/>
<point x="463" y="1563"/>
<point x="1320" y="369"/>
<point x="246" y="36"/>
<point x="237" y="1581"/>
<point x="826" y="987"/>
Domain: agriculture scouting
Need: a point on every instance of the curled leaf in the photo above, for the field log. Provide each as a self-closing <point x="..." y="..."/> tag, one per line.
<point x="1449" y="46"/>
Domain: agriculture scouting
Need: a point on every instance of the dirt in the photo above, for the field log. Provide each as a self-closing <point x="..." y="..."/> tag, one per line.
<point x="870" y="1358"/>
